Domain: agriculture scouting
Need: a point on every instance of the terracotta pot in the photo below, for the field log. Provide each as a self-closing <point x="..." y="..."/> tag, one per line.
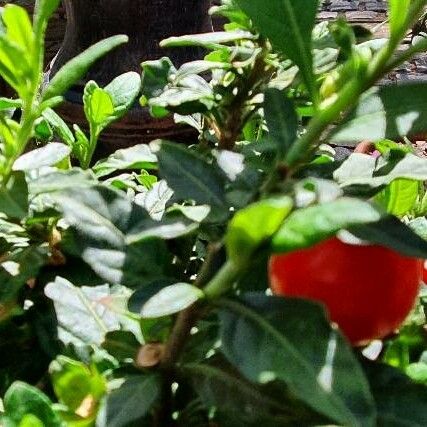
<point x="146" y="22"/>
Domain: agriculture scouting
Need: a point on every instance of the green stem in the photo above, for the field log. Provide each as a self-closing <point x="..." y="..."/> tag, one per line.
<point x="223" y="280"/>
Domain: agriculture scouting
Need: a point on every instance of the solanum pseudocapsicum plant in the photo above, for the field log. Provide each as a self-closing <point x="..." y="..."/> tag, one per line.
<point x="137" y="292"/>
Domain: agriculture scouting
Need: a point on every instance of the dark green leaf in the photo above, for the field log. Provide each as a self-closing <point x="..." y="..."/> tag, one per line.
<point x="289" y="25"/>
<point x="122" y="345"/>
<point x="192" y="178"/>
<point x="131" y="402"/>
<point x="14" y="197"/>
<point x="282" y="120"/>
<point x="262" y="339"/>
<point x="400" y="402"/>
<point x="394" y="234"/>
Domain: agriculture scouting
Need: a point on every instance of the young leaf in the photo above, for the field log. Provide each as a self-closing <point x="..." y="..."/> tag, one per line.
<point x="262" y="337"/>
<point x="22" y="400"/>
<point x="253" y="226"/>
<point x="73" y="382"/>
<point x="289" y="25"/>
<point x="77" y="68"/>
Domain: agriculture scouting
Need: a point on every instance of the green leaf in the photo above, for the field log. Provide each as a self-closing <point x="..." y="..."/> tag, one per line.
<point x="42" y="13"/>
<point x="400" y="197"/>
<point x="212" y="40"/>
<point x="137" y="157"/>
<point x="398" y="15"/>
<point x="73" y="381"/>
<point x="77" y="68"/>
<point x="362" y="169"/>
<point x="122" y="345"/>
<point x="282" y="120"/>
<point x="399" y="401"/>
<point x="171" y="300"/>
<point x="116" y="237"/>
<point x="49" y="155"/>
<point x="98" y="105"/>
<point x="394" y="234"/>
<point x="14" y="197"/>
<point x="61" y="180"/>
<point x="308" y="226"/>
<point x="386" y="112"/>
<point x="82" y="315"/>
<point x="289" y="25"/>
<point x="262" y="338"/>
<point x="22" y="400"/>
<point x="17" y="268"/>
<point x="131" y="402"/>
<point x="19" y="29"/>
<point x="123" y="91"/>
<point x="255" y="225"/>
<point x="59" y="126"/>
<point x="154" y="200"/>
<point x="155" y="77"/>
<point x="231" y="394"/>
<point x="192" y="178"/>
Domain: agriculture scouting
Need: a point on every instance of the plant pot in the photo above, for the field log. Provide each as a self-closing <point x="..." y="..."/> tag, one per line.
<point x="146" y="22"/>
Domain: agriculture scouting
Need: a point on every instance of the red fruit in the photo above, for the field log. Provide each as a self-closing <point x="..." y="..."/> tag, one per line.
<point x="368" y="290"/>
<point x="425" y="272"/>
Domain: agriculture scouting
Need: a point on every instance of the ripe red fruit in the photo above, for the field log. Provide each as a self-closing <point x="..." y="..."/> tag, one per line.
<point x="425" y="272"/>
<point x="368" y="290"/>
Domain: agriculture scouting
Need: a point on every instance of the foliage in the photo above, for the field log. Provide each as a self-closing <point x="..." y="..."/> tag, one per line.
<point x="133" y="291"/>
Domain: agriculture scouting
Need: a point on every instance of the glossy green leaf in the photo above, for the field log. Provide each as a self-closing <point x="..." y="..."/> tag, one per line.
<point x="308" y="226"/>
<point x="171" y="300"/>
<point x="385" y="112"/>
<point x="209" y="40"/>
<point x="262" y="337"/>
<point x="22" y="400"/>
<point x="362" y="169"/>
<point x="399" y="198"/>
<point x="254" y="226"/>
